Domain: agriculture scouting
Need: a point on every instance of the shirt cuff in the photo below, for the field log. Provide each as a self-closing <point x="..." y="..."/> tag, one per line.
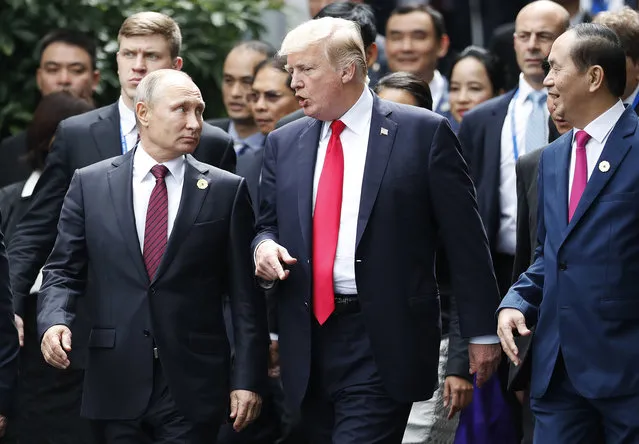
<point x="485" y="340"/>
<point x="274" y="336"/>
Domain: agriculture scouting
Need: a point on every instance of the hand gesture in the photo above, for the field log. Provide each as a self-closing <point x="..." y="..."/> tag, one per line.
<point x="269" y="258"/>
<point x="245" y="408"/>
<point x="511" y="319"/>
<point x="56" y="342"/>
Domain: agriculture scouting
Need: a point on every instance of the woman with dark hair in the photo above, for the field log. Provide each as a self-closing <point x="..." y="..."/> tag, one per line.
<point x="475" y="77"/>
<point x="403" y="87"/>
<point x="39" y="384"/>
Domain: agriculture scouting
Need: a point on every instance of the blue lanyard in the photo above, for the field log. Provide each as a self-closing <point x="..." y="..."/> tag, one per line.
<point x="635" y="102"/>
<point x="513" y="129"/>
<point x="123" y="141"/>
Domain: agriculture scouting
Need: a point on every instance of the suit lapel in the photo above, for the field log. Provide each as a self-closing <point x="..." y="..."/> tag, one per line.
<point x="106" y="132"/>
<point x="377" y="155"/>
<point x="562" y="171"/>
<point x="614" y="152"/>
<point x="120" y="180"/>
<point x="306" y="157"/>
<point x="190" y="204"/>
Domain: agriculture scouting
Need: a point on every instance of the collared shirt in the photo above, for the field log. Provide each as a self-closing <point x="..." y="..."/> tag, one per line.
<point x="599" y="130"/>
<point x="27" y="191"/>
<point x="507" y="176"/>
<point x="438" y="86"/>
<point x="255" y="141"/>
<point x="354" y="140"/>
<point x="631" y="98"/>
<point x="144" y="182"/>
<point x="128" y="127"/>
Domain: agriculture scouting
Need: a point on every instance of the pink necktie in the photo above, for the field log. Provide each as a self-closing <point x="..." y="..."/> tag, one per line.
<point x="326" y="219"/>
<point x="580" y="178"/>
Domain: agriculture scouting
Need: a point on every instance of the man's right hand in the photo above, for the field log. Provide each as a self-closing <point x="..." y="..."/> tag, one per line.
<point x="20" y="328"/>
<point x="269" y="258"/>
<point x="510" y="319"/>
<point x="56" y="342"/>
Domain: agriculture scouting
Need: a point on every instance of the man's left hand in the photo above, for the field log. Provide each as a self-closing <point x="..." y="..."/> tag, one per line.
<point x="3" y="425"/>
<point x="245" y="408"/>
<point x="484" y="360"/>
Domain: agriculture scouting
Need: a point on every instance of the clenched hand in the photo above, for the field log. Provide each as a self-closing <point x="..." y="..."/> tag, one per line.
<point x="245" y="408"/>
<point x="56" y="342"/>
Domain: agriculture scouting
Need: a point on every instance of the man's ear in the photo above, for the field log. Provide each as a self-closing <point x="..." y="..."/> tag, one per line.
<point x="142" y="112"/>
<point x="177" y="63"/>
<point x="444" y="44"/>
<point x="595" y="78"/>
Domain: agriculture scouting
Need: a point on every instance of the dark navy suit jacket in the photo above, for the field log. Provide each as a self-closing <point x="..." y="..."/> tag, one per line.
<point x="415" y="187"/>
<point x="582" y="285"/>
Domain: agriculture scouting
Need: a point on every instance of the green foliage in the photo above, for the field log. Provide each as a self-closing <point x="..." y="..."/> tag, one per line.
<point x="209" y="29"/>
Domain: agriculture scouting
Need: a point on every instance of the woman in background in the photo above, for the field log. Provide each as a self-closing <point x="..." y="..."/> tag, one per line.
<point x="39" y="392"/>
<point x="435" y="420"/>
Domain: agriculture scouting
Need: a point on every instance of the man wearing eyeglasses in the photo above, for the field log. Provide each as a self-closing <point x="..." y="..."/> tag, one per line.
<point x="496" y="133"/>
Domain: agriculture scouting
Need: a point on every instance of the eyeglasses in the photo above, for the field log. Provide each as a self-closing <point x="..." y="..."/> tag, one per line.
<point x="269" y="96"/>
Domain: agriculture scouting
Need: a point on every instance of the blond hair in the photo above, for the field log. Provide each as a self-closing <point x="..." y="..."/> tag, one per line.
<point x="153" y="23"/>
<point x="341" y="40"/>
<point x="625" y="23"/>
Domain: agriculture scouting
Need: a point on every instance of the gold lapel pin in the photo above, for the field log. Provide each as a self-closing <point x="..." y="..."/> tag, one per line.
<point x="604" y="166"/>
<point x="202" y="184"/>
<point x="383" y="132"/>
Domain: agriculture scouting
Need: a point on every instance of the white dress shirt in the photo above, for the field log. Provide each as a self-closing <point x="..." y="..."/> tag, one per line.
<point x="437" y="87"/>
<point x="507" y="177"/>
<point x="599" y="130"/>
<point x="354" y="140"/>
<point x="144" y="182"/>
<point x="27" y="191"/>
<point x="127" y="126"/>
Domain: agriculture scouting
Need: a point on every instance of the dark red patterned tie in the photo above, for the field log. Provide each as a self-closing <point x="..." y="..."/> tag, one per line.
<point x="157" y="219"/>
<point x="326" y="220"/>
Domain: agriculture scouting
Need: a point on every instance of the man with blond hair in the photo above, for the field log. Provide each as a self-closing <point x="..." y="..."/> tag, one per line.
<point x="354" y="197"/>
<point x="148" y="41"/>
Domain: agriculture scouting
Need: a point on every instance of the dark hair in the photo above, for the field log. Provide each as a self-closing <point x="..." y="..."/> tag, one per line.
<point x="361" y="14"/>
<point x="70" y="37"/>
<point x="599" y="45"/>
<point x="625" y="23"/>
<point x="277" y="63"/>
<point x="52" y="109"/>
<point x="263" y="48"/>
<point x="493" y="68"/>
<point x="410" y="83"/>
<point x="438" y="19"/>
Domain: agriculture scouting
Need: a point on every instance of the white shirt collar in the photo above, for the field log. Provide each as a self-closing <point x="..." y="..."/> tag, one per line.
<point x="599" y="128"/>
<point x="143" y="162"/>
<point x="526" y="88"/>
<point x="631" y="98"/>
<point x="29" y="185"/>
<point x="437" y="86"/>
<point x="355" y="118"/>
<point x="127" y="117"/>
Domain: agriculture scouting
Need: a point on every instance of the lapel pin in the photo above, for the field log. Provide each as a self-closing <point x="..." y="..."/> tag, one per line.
<point x="604" y="166"/>
<point x="202" y="184"/>
<point x="383" y="132"/>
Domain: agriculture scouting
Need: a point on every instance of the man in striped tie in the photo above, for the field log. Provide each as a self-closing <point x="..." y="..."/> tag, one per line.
<point x="153" y="240"/>
<point x="581" y="290"/>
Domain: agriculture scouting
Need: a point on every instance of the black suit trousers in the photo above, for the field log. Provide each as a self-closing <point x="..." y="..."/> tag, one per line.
<point x="161" y="423"/>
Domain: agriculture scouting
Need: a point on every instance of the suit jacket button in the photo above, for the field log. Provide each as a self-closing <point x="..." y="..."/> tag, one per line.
<point x="563" y="266"/>
<point x="147" y="333"/>
<point x="306" y="305"/>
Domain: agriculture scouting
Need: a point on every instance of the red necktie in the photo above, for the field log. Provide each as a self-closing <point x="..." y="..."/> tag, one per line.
<point x="326" y="218"/>
<point x="580" y="177"/>
<point x="157" y="220"/>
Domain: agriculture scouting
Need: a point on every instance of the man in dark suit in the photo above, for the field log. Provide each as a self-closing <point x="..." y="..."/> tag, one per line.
<point x="584" y="382"/>
<point x="9" y="346"/>
<point x="494" y="134"/>
<point x="67" y="63"/>
<point x="356" y="229"/>
<point x="238" y="71"/>
<point x="91" y="137"/>
<point x="152" y="240"/>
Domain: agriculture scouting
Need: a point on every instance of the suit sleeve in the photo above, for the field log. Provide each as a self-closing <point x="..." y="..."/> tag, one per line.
<point x="64" y="275"/>
<point x="266" y="224"/>
<point x="248" y="307"/>
<point x="526" y="294"/>
<point x="458" y="361"/>
<point x="464" y="238"/>
<point x="522" y="250"/>
<point x="9" y="347"/>
<point x="36" y="231"/>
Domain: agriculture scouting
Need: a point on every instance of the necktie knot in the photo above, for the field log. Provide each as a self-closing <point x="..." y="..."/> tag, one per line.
<point x="537" y="97"/>
<point x="337" y="127"/>
<point x="159" y="171"/>
<point x="582" y="139"/>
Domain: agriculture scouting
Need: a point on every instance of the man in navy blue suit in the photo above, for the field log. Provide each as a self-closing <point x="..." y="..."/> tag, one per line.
<point x="354" y="197"/>
<point x="581" y="290"/>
